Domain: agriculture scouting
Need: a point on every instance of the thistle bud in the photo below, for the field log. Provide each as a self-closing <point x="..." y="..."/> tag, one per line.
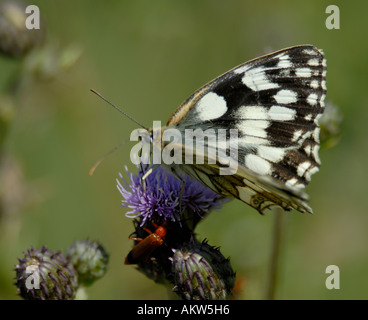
<point x="201" y="272"/>
<point x="45" y="275"/>
<point x="89" y="259"/>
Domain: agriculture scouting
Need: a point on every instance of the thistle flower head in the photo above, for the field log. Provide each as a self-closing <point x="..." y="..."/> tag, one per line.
<point x="201" y="272"/>
<point x="45" y="275"/>
<point x="160" y="195"/>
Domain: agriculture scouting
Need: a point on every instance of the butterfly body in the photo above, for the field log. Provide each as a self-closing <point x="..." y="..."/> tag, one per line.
<point x="273" y="103"/>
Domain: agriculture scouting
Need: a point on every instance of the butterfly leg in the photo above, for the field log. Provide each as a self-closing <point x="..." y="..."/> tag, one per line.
<point x="145" y="177"/>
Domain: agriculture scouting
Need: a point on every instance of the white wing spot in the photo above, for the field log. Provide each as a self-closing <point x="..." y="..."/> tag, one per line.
<point x="284" y="62"/>
<point x="323" y="85"/>
<point x="308" y="150"/>
<point x="282" y="56"/>
<point x="308" y="117"/>
<point x="297" y="134"/>
<point x="323" y="96"/>
<point x="310" y="172"/>
<point x="303" y="72"/>
<point x="315" y="84"/>
<point x="252" y="112"/>
<point x="247" y="140"/>
<point x="272" y="154"/>
<point x="278" y="113"/>
<point x="304" y="166"/>
<point x="295" y="184"/>
<point x="315" y="153"/>
<point x="256" y="79"/>
<point x="310" y="52"/>
<point x="312" y="99"/>
<point x="306" y="135"/>
<point x="257" y="164"/>
<point x="254" y="127"/>
<point x="285" y="96"/>
<point x="313" y="62"/>
<point x="211" y="106"/>
<point x="242" y="69"/>
<point x="291" y="182"/>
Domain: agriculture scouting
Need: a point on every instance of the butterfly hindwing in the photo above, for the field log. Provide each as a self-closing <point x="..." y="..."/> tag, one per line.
<point x="260" y="192"/>
<point x="274" y="102"/>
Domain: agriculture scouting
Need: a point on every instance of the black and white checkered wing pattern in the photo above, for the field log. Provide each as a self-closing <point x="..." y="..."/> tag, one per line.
<point x="275" y="102"/>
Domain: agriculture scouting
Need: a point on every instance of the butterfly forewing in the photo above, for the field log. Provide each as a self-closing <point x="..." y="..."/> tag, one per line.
<point x="274" y="102"/>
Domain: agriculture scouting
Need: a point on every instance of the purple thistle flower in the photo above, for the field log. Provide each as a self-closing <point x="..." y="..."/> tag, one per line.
<point x="159" y="195"/>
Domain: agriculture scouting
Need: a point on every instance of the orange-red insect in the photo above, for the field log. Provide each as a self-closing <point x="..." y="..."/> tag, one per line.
<point x="143" y="250"/>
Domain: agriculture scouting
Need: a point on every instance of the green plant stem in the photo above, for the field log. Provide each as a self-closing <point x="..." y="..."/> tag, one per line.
<point x="273" y="268"/>
<point x="81" y="294"/>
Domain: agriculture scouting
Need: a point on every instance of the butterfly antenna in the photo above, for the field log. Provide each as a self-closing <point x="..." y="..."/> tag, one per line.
<point x="118" y="109"/>
<point x="94" y="167"/>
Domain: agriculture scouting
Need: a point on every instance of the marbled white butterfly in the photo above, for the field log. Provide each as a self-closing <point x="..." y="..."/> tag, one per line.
<point x="274" y="102"/>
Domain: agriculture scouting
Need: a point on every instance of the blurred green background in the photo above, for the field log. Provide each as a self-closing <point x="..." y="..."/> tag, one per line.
<point x="147" y="57"/>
